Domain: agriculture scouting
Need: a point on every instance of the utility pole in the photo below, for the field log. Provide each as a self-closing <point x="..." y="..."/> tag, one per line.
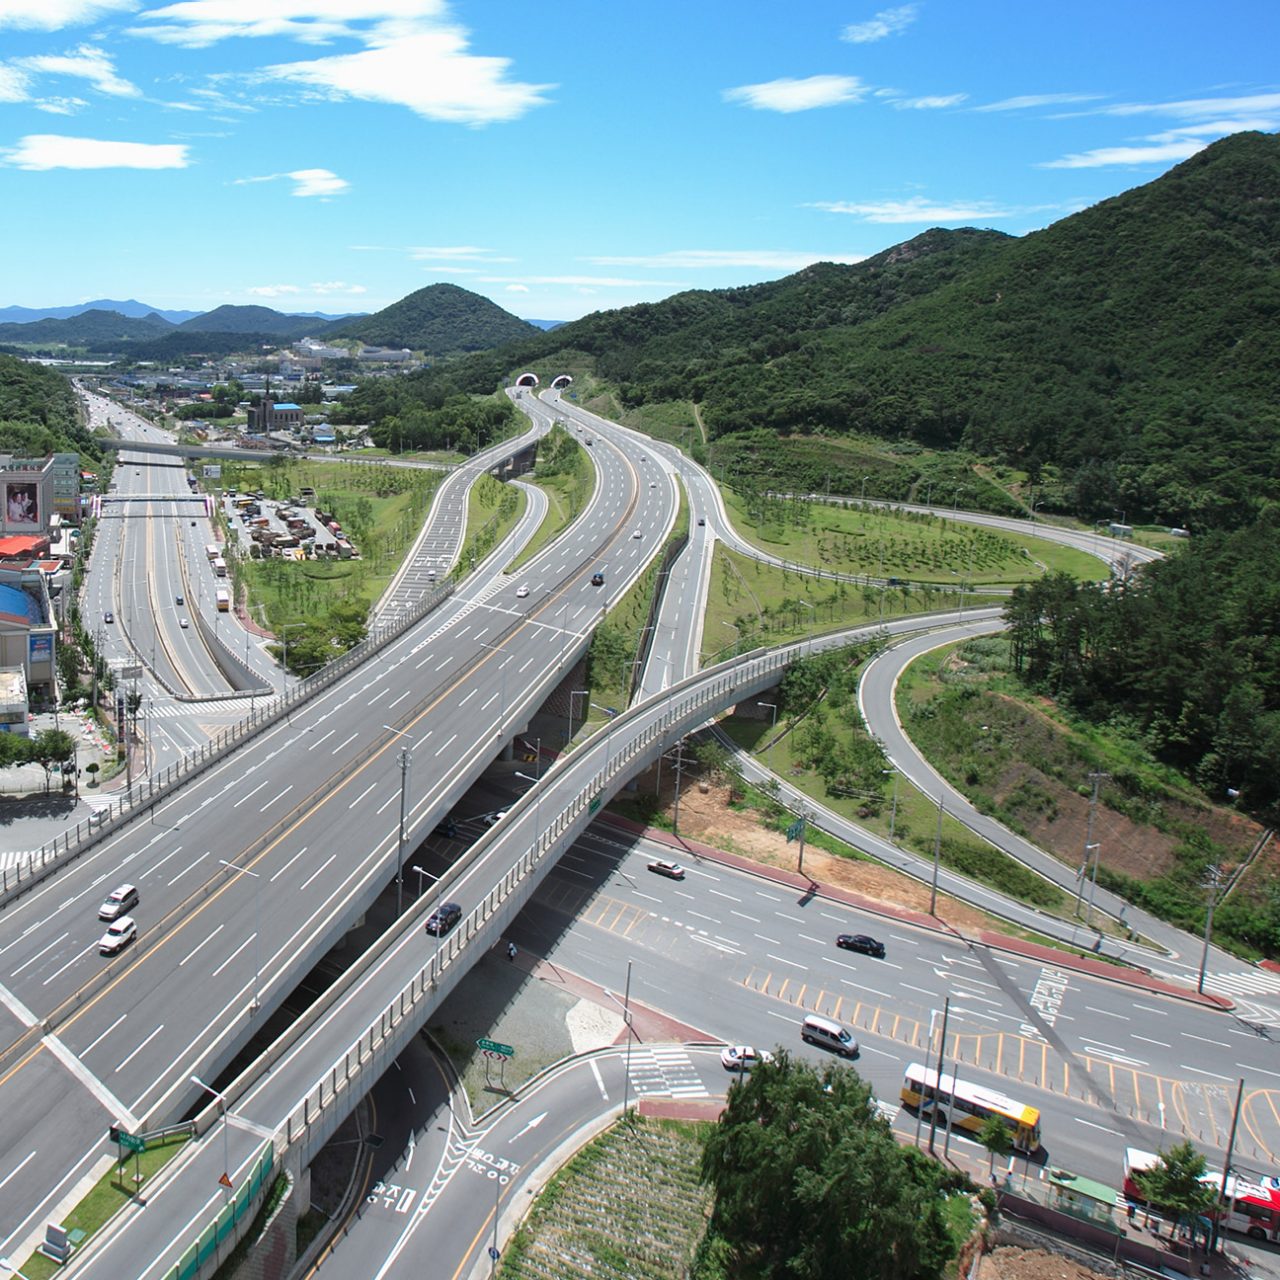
<point x="937" y="858"/>
<point x="1212" y="882"/>
<point x="1224" y="1196"/>
<point x="675" y="816"/>
<point x="937" y="1085"/>
<point x="1090" y="846"/>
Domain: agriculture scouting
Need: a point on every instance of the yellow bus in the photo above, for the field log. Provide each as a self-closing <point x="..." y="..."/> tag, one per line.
<point x="970" y="1104"/>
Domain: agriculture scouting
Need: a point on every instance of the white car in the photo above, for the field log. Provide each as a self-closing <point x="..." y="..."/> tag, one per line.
<point x="182" y="622"/>
<point x="492" y="819"/>
<point x="637" y="534"/>
<point x="521" y="592"/>
<point x="118" y="936"/>
<point x="742" y="1057"/>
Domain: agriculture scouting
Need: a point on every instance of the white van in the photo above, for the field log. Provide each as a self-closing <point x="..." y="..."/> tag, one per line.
<point x="828" y="1034"/>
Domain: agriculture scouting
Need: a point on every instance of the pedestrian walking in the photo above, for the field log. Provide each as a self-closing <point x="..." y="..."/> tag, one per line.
<point x="511" y="950"/>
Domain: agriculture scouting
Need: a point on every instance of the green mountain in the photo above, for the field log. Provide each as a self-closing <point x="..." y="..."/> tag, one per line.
<point x="440" y="320"/>
<point x="253" y="320"/>
<point x="1124" y="357"/>
<point x="38" y="411"/>
<point x="86" y="328"/>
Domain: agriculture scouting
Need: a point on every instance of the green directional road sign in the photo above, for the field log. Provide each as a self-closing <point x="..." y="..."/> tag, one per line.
<point x="594" y="806"/>
<point x="130" y="1143"/>
<point x="795" y="830"/>
<point x="494" y="1047"/>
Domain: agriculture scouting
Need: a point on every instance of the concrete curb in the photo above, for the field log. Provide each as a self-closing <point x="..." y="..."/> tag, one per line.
<point x="996" y="941"/>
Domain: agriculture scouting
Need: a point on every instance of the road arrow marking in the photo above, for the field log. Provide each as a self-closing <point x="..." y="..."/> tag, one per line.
<point x="533" y="1124"/>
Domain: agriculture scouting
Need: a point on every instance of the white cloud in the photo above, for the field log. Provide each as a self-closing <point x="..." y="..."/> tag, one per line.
<point x="759" y="259"/>
<point x="788" y="95"/>
<point x="429" y="72"/>
<point x="322" y="289"/>
<point x="931" y="103"/>
<point x="51" y="15"/>
<point x="308" y="182"/>
<point x="517" y="288"/>
<point x="53" y="151"/>
<point x="84" y="63"/>
<point x="414" y="56"/>
<point x="598" y="282"/>
<point x="61" y="106"/>
<point x="1146" y="153"/>
<point x="1027" y="101"/>
<point x="1200" y="108"/>
<point x="15" y="85"/>
<point x="888" y="22"/>
<point x="455" y="253"/>
<point x="916" y="209"/>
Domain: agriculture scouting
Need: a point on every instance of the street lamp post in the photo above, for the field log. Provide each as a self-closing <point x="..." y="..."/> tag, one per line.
<point x="406" y="759"/>
<point x="862" y="497"/>
<point x="574" y="693"/>
<point x="226" y="1145"/>
<point x="284" y="661"/>
<point x="537" y="806"/>
<point x="773" y="729"/>
<point x="257" y="934"/>
<point x="937" y="858"/>
<point x="893" y="812"/>
<point x="421" y="874"/>
<point x="1213" y="881"/>
<point x="626" y="1022"/>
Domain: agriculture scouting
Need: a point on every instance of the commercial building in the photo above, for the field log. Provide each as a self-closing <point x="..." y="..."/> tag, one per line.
<point x="28" y="634"/>
<point x="14" y="714"/>
<point x="267" y="417"/>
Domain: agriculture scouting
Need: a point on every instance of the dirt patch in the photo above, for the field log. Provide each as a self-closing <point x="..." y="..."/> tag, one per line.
<point x="707" y="816"/>
<point x="1007" y="1262"/>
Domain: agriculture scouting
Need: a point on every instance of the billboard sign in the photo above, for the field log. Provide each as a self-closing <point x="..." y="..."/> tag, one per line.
<point x="40" y="646"/>
<point x="22" y="505"/>
<point x="212" y="470"/>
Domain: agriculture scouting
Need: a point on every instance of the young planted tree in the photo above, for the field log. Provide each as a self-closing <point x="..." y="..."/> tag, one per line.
<point x="1173" y="1187"/>
<point x="995" y="1136"/>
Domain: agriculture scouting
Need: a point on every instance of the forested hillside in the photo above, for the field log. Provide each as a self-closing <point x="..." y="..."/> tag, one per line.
<point x="85" y="329"/>
<point x="1124" y="357"/>
<point x="38" y="412"/>
<point x="440" y="320"/>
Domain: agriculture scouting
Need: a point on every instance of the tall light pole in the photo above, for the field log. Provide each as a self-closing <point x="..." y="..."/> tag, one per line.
<point x="773" y="729"/>
<point x="574" y="693"/>
<point x="257" y="934"/>
<point x="422" y="874"/>
<point x="937" y="858"/>
<point x="893" y="813"/>
<point x="226" y="1146"/>
<point x="862" y="497"/>
<point x="537" y="806"/>
<point x="406" y="759"/>
<point x="626" y="1022"/>
<point x="1213" y="881"/>
<point x="284" y="661"/>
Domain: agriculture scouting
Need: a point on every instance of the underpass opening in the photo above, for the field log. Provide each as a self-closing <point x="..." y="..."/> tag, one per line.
<point x="560" y="381"/>
<point x="527" y="380"/>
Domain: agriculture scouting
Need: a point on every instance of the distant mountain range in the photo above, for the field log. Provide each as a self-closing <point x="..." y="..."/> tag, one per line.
<point x="440" y="320"/>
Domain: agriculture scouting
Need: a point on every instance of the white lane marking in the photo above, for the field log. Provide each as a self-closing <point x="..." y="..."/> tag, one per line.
<point x="98" y="1039"/>
<point x="189" y="867"/>
<point x="58" y="972"/>
<point x="201" y="944"/>
<point x="140" y="1048"/>
<point x="744" y="916"/>
<point x="1146" y="1008"/>
<point x="1147" y="1040"/>
<point x="444" y="745"/>
<point x="14" y="1173"/>
<point x="39" y="953"/>
<point x="772" y="897"/>
<point x="1200" y="1071"/>
<point x="783" y="960"/>
<point x="318" y="741"/>
<point x="463" y="701"/>
<point x="1222" y="1044"/>
<point x="724" y="895"/>
<point x="648" y="897"/>
<point x="233" y="955"/>
<point x="595" y="1071"/>
<point x="317" y="871"/>
<point x="1106" y="1013"/>
<point x="273" y="799"/>
<point x="287" y="865"/>
<point x="1089" y="1124"/>
<point x="362" y="795"/>
<point x="251" y="794"/>
<point x="1265" y="1072"/>
<point x="345" y="742"/>
<point x="921" y="990"/>
<point x="765" y="938"/>
<point x="400" y="699"/>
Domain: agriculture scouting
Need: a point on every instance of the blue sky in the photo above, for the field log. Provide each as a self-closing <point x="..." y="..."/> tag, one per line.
<point x="575" y="155"/>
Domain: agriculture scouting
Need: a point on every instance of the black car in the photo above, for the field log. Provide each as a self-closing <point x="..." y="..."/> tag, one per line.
<point x="443" y="918"/>
<point x="597" y="579"/>
<point x="447" y="828"/>
<point x="861" y="942"/>
<point x="108" y="616"/>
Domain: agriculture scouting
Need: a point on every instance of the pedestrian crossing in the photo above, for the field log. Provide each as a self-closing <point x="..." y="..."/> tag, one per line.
<point x="233" y="707"/>
<point x="665" y="1071"/>
<point x="1243" y="982"/>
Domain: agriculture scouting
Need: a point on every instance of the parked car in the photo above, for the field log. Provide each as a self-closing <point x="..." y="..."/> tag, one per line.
<point x="443" y="918"/>
<point x="742" y="1057"/>
<point x="492" y="819"/>
<point x="861" y="942"/>
<point x="446" y="828"/>
<point x="672" y="870"/>
<point x="119" y="901"/>
<point x="118" y="936"/>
